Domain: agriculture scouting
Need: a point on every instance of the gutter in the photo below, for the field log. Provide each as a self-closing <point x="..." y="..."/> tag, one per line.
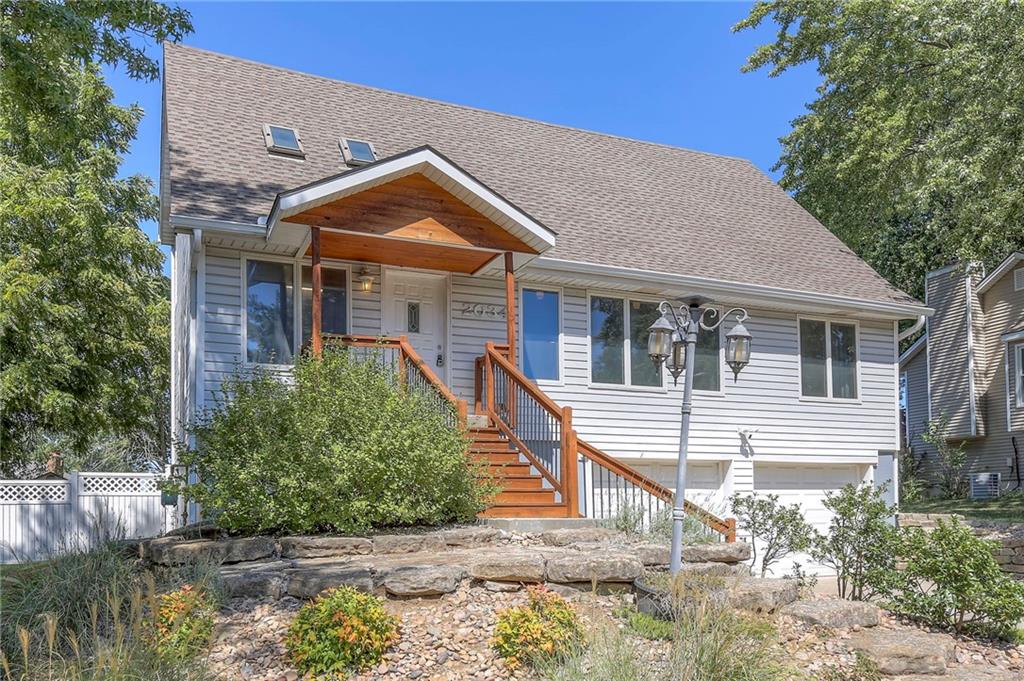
<point x="918" y="325"/>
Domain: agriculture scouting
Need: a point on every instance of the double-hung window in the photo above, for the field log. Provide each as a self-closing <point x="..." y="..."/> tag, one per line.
<point x="541" y="330"/>
<point x="618" y="342"/>
<point x="272" y="308"/>
<point x="1018" y="373"/>
<point x="828" y="359"/>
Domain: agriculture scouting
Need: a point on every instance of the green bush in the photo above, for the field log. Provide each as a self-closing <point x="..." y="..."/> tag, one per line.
<point x="646" y="626"/>
<point x="183" y="622"/>
<point x="342" y="448"/>
<point x="779" y="530"/>
<point x="342" y="630"/>
<point x="861" y="540"/>
<point x="949" y="578"/>
<point x="547" y="628"/>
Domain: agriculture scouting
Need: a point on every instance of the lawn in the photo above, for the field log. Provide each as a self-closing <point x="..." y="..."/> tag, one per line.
<point x="1007" y="507"/>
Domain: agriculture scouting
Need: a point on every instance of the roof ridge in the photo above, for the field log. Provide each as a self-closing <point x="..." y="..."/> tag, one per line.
<point x="431" y="100"/>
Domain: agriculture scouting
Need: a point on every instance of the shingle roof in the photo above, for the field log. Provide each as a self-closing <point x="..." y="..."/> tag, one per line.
<point x="611" y="200"/>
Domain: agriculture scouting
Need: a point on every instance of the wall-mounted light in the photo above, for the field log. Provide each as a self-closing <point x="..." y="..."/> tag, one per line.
<point x="365" y="280"/>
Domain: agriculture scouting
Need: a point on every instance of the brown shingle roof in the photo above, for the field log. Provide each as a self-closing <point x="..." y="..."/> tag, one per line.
<point x="611" y="200"/>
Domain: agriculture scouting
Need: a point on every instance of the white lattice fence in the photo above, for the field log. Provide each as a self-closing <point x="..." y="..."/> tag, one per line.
<point x="41" y="517"/>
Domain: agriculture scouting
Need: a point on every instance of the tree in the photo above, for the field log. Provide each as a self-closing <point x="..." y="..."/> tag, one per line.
<point x="84" y="311"/>
<point x="913" y="151"/>
<point x="780" y="530"/>
<point x="950" y="461"/>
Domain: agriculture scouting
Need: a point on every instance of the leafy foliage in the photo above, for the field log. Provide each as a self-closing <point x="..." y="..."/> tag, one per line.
<point x="547" y="628"/>
<point x="83" y="309"/>
<point x="860" y="541"/>
<point x="183" y="622"/>
<point x="344" y="448"/>
<point x="951" y="459"/>
<point x="341" y="630"/>
<point x="647" y="626"/>
<point x="634" y="520"/>
<point x="950" y="578"/>
<point x="913" y="150"/>
<point x="913" y="482"/>
<point x="780" y="530"/>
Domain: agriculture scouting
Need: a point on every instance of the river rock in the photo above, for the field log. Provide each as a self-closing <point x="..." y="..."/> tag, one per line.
<point x="509" y="567"/>
<point x="606" y="567"/>
<point x="432" y="580"/>
<point x="324" y="547"/>
<point x="901" y="651"/>
<point x="835" y="612"/>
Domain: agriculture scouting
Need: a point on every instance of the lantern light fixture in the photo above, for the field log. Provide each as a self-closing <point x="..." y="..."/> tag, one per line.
<point x="365" y="280"/>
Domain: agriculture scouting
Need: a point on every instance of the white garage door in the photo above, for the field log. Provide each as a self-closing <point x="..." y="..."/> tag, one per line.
<point x="804" y="484"/>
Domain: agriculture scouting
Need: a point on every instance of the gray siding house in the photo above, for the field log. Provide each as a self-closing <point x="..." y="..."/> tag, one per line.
<point x="969" y="367"/>
<point x="492" y="251"/>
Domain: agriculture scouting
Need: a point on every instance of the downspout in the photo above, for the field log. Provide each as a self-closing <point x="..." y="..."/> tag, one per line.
<point x="917" y="326"/>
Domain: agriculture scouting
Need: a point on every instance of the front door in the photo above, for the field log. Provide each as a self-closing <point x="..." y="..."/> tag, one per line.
<point x="415" y="305"/>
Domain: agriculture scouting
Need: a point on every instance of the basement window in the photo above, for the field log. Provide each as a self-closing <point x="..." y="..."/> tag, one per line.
<point x="357" y="152"/>
<point x="283" y="140"/>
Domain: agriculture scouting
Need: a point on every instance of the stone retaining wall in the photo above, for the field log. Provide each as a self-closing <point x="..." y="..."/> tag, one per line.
<point x="1010" y="537"/>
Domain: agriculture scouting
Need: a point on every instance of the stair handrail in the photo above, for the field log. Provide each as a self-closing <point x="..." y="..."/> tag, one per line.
<point x="407" y="353"/>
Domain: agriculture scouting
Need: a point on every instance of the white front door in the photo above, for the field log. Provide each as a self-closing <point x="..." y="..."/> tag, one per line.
<point x="415" y="305"/>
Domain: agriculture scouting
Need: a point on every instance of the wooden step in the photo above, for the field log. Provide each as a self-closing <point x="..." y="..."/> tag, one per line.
<point x="503" y="469"/>
<point x="489" y="447"/>
<point x="496" y="458"/>
<point x="487" y="436"/>
<point x="526" y="511"/>
<point x="530" y="496"/>
<point x="520" y="482"/>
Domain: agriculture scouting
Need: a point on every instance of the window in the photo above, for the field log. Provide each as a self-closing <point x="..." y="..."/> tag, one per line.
<point x="828" y="359"/>
<point x="412" y="322"/>
<point x="270" y="313"/>
<point x="1018" y="372"/>
<point x="540" y="328"/>
<point x="1018" y="279"/>
<point x="618" y="357"/>
<point x="357" y="152"/>
<point x="707" y="362"/>
<point x="283" y="140"/>
<point x="333" y="303"/>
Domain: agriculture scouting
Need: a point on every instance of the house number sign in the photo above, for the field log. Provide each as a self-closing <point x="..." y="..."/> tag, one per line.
<point x="481" y="311"/>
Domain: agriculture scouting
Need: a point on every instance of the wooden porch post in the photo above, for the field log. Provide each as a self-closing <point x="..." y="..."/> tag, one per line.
<point x="317" y="312"/>
<point x="510" y="307"/>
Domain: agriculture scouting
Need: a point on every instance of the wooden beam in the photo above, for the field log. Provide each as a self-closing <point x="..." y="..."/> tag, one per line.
<point x="428" y="256"/>
<point x="510" y="307"/>
<point x="317" y="312"/>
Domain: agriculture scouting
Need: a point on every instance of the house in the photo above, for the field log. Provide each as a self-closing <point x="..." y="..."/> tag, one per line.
<point x="968" y="369"/>
<point x="523" y="263"/>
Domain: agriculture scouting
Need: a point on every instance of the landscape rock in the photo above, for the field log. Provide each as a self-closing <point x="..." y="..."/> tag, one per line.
<point x="898" y="652"/>
<point x="577" y="535"/>
<point x="324" y="547"/>
<point x="432" y="580"/>
<point x="502" y="587"/>
<point x="407" y="543"/>
<point x="463" y="537"/>
<point x="306" y="581"/>
<point x="653" y="554"/>
<point x="763" y="595"/>
<point x="835" y="612"/>
<point x="254" y="580"/>
<point x="509" y="567"/>
<point x="974" y="672"/>
<point x="726" y="571"/>
<point x="177" y="551"/>
<point x="717" y="553"/>
<point x="607" y="567"/>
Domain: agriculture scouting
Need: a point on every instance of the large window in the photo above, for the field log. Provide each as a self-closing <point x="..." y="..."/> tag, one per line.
<point x="333" y="305"/>
<point x="270" y="336"/>
<point x="540" y="315"/>
<point x="271" y="307"/>
<point x="828" y="359"/>
<point x="618" y="357"/>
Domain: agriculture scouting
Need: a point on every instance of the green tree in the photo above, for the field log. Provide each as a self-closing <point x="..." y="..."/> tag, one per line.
<point x="780" y="530"/>
<point x="83" y="302"/>
<point x="913" y="150"/>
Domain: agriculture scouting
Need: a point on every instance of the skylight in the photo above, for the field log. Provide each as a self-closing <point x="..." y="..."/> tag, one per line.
<point x="283" y="140"/>
<point x="357" y="152"/>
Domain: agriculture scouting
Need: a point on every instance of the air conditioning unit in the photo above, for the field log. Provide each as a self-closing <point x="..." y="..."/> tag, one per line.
<point x="985" y="485"/>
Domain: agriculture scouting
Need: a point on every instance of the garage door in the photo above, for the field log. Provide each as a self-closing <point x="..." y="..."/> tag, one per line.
<point x="804" y="484"/>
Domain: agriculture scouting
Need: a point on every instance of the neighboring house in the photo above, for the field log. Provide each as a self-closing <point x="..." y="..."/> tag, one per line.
<point x="969" y="368"/>
<point x="458" y="227"/>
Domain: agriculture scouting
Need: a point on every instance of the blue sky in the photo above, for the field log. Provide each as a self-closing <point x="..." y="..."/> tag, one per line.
<point x="667" y="73"/>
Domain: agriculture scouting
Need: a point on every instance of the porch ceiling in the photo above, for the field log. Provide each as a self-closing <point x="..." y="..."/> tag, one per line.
<point x="404" y="253"/>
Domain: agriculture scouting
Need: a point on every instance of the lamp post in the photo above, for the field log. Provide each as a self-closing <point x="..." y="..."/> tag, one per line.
<point x="672" y="341"/>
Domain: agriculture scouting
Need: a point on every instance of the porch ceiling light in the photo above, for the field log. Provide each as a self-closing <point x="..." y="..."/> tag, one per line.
<point x="737" y="349"/>
<point x="365" y="280"/>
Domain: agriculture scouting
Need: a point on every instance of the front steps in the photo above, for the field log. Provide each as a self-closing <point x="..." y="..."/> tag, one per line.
<point x="523" y="492"/>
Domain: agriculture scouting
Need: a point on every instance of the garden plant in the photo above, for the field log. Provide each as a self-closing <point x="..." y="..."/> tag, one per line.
<point x="546" y="629"/>
<point x="779" y="530"/>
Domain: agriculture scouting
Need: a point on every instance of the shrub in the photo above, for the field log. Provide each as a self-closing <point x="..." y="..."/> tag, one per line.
<point x="646" y="626"/>
<point x="913" y="483"/>
<point x="183" y="622"/>
<point x="547" y="628"/>
<point x="951" y="579"/>
<point x="951" y="459"/>
<point x="860" y="540"/>
<point x="343" y="448"/>
<point x="637" y="521"/>
<point x="342" y="630"/>
<point x="780" y="530"/>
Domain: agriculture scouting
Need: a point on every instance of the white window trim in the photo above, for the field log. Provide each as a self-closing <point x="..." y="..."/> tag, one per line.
<point x="1018" y="279"/>
<point x="828" y="361"/>
<point x="1018" y="375"/>
<point x="521" y="320"/>
<point x="297" y="265"/>
<point x="903" y="379"/>
<point x="268" y="139"/>
<point x="627" y="346"/>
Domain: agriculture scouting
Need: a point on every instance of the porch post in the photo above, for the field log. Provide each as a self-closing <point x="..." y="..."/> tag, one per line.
<point x="317" y="311"/>
<point x="510" y="308"/>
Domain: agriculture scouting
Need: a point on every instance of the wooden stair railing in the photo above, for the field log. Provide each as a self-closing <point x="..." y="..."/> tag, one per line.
<point x="413" y="372"/>
<point x="533" y="421"/>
